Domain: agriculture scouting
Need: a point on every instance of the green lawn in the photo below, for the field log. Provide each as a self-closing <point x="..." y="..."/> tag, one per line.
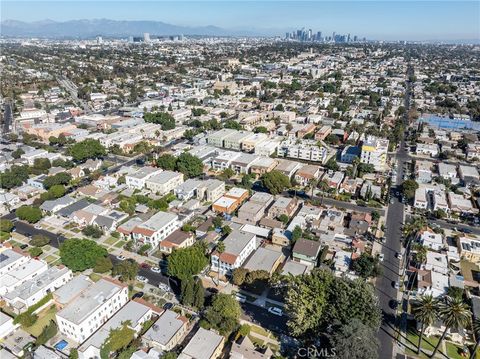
<point x="110" y="240"/>
<point x="120" y="243"/>
<point x="95" y="277"/>
<point x="50" y="259"/>
<point x="259" y="330"/>
<point x="453" y="351"/>
<point x="256" y="341"/>
<point x="44" y="317"/>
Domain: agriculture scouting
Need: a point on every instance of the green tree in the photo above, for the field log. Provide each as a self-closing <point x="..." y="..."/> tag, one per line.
<point x="39" y="240"/>
<point x="239" y="275"/>
<point x="47" y="333"/>
<point x="355" y="340"/>
<point x="296" y="233"/>
<point x="260" y="129"/>
<point x="73" y="353"/>
<point x="162" y="118"/>
<point x="283" y="218"/>
<point x="35" y="251"/>
<point x="275" y="181"/>
<point x="332" y="164"/>
<point x="14" y="177"/>
<point x="184" y="263"/>
<point x="223" y="315"/>
<point x="191" y="166"/>
<point x="92" y="231"/>
<point x="119" y="338"/>
<point x="319" y="299"/>
<point x="29" y="214"/>
<point x="80" y="254"/>
<point x="167" y="162"/>
<point x="425" y="312"/>
<point x="89" y="148"/>
<point x="127" y="270"/>
<point x="454" y="314"/>
<point x="198" y="294"/>
<point x="42" y="164"/>
<point x="186" y="292"/>
<point x="232" y="124"/>
<point x="6" y="225"/>
<point x="227" y="173"/>
<point x="476" y="331"/>
<point x="169" y="355"/>
<point x="408" y="188"/>
<point x="366" y="266"/>
<point x="62" y="178"/>
<point x="103" y="265"/>
<point x="226" y="230"/>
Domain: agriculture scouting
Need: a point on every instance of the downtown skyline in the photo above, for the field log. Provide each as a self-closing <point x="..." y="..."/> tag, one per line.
<point x="380" y="20"/>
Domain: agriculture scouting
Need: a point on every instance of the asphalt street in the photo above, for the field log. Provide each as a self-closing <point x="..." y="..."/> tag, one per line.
<point x="385" y="289"/>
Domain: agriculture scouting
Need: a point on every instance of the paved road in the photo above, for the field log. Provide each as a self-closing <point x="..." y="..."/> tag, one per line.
<point x="7" y="118"/>
<point x="56" y="240"/>
<point x="265" y="319"/>
<point x="391" y="264"/>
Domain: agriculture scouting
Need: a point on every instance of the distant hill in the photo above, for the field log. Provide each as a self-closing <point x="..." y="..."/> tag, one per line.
<point x="107" y="28"/>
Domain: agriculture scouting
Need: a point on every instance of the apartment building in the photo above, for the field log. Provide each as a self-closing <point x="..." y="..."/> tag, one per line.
<point x="164" y="182"/>
<point x="135" y="313"/>
<point x="155" y="229"/>
<point x="266" y="148"/>
<point x="33" y="290"/>
<point x="243" y="163"/>
<point x="205" y="344"/>
<point x="374" y="152"/>
<point x="307" y="173"/>
<point x="167" y="331"/>
<point x="250" y="143"/>
<point x="469" y="249"/>
<point x="235" y="140"/>
<point x="263" y="165"/>
<point x="91" y="309"/>
<point x="138" y="178"/>
<point x="283" y="205"/>
<point x="238" y="246"/>
<point x="305" y="150"/>
<point x="217" y="138"/>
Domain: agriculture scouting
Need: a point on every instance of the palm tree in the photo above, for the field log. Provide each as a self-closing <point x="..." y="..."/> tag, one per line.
<point x="476" y="331"/>
<point x="220" y="249"/>
<point x="454" y="314"/>
<point x="425" y="311"/>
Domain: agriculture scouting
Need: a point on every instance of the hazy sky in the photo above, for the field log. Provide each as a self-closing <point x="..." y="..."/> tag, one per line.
<point x="387" y="19"/>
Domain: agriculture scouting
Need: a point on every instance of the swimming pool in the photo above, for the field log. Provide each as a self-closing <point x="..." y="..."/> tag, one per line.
<point x="62" y="344"/>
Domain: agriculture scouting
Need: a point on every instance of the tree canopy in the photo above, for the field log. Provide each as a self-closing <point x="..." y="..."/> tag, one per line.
<point x="89" y="148"/>
<point x="29" y="213"/>
<point x="354" y="340"/>
<point x="184" y="263"/>
<point x="162" y="118"/>
<point x="366" y="266"/>
<point x="275" y="181"/>
<point x="80" y="254"/>
<point x="127" y="270"/>
<point x="189" y="165"/>
<point x="318" y="299"/>
<point x="223" y="315"/>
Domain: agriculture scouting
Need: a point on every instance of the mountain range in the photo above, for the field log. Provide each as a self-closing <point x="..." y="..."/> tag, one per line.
<point x="108" y="28"/>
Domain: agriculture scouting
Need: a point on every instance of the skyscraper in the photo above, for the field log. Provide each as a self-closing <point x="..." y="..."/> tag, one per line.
<point x="146" y="37"/>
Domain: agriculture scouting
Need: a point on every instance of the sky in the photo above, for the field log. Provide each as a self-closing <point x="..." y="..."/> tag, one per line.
<point x="387" y="19"/>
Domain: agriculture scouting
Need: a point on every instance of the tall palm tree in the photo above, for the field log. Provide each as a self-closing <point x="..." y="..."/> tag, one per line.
<point x="454" y="314"/>
<point x="476" y="331"/>
<point x="425" y="311"/>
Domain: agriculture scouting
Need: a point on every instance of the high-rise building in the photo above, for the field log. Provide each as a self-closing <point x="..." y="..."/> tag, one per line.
<point x="99" y="40"/>
<point x="146" y="37"/>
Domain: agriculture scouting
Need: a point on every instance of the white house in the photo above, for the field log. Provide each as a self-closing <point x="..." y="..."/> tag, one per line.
<point x="238" y="246"/>
<point x="156" y="229"/>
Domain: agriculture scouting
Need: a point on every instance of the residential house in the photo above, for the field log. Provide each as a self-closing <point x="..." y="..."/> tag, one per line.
<point x="155" y="229"/>
<point x="238" y="247"/>
<point x="205" y="344"/>
<point x="178" y="239"/>
<point x="167" y="331"/>
<point x="306" y="251"/>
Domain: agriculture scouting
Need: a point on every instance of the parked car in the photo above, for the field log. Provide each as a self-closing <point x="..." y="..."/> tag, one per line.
<point x="164" y="287"/>
<point x="145" y="265"/>
<point x="168" y="306"/>
<point x="23" y="246"/>
<point x="276" y="311"/>
<point x="120" y="258"/>
<point x="240" y="297"/>
<point x="399" y="255"/>
<point x="37" y="226"/>
<point x="395" y="285"/>
<point x="393" y="304"/>
<point x="156" y="270"/>
<point x="212" y="290"/>
<point x="381" y="257"/>
<point x="138" y="295"/>
<point x="141" y="278"/>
